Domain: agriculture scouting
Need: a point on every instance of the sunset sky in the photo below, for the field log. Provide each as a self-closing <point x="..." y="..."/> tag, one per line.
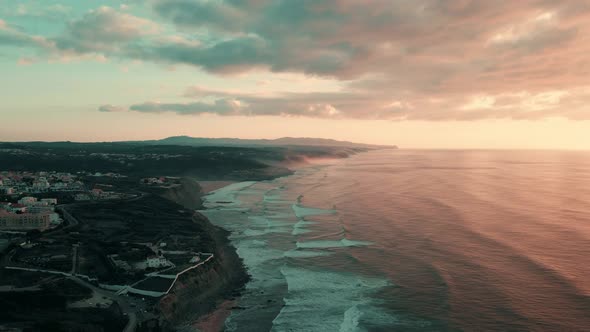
<point x="422" y="73"/>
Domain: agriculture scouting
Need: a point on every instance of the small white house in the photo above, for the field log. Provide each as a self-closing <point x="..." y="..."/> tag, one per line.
<point x="195" y="259"/>
<point x="49" y="201"/>
<point x="157" y="262"/>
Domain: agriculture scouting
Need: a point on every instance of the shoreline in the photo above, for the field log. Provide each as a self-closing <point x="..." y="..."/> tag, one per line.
<point x="208" y="187"/>
<point x="210" y="312"/>
<point x="199" y="295"/>
<point x="168" y="212"/>
<point x="215" y="320"/>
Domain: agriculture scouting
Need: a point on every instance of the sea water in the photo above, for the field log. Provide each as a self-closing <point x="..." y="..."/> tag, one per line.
<point x="415" y="241"/>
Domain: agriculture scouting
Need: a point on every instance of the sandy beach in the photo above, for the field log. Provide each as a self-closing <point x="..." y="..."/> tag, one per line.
<point x="214" y="321"/>
<point x="209" y="186"/>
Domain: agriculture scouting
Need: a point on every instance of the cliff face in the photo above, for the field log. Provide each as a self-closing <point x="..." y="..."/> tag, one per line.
<point x="198" y="291"/>
<point x="187" y="194"/>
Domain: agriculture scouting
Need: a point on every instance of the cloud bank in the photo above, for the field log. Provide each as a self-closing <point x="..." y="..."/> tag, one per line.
<point x="396" y="59"/>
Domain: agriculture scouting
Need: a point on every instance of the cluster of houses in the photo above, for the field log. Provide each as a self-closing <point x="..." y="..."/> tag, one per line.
<point x="159" y="180"/>
<point x="16" y="183"/>
<point x="108" y="175"/>
<point x="28" y="214"/>
<point x="135" y="259"/>
<point x="15" y="151"/>
<point x="153" y="181"/>
<point x="148" y="256"/>
<point x="150" y="262"/>
<point x="97" y="194"/>
<point x="125" y="157"/>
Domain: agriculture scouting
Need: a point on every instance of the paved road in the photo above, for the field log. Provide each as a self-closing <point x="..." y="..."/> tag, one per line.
<point x="74" y="259"/>
<point x="123" y="303"/>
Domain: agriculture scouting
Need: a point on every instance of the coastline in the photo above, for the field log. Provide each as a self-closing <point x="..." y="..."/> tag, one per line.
<point x="168" y="210"/>
<point x="215" y="320"/>
<point x="204" y="303"/>
<point x="209" y="186"/>
<point x="198" y="295"/>
<point x="273" y="297"/>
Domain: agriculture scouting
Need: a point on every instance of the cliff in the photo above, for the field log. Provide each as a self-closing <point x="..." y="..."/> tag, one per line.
<point x="199" y="291"/>
<point x="187" y="194"/>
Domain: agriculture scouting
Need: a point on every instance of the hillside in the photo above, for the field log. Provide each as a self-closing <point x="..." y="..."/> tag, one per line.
<point x="284" y="141"/>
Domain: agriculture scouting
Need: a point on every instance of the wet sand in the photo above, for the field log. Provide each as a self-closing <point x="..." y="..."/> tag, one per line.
<point x="209" y="186"/>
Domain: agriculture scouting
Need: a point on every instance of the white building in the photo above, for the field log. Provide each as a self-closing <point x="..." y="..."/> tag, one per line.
<point x="57" y="186"/>
<point x="18" y="208"/>
<point x="24" y="221"/>
<point x="195" y="259"/>
<point x="27" y="200"/>
<point x="49" y="201"/>
<point x="157" y="262"/>
<point x="82" y="197"/>
<point x="40" y="209"/>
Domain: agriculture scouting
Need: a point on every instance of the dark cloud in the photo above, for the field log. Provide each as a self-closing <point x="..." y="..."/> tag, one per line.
<point x="10" y="36"/>
<point x="103" y="30"/>
<point x="395" y="59"/>
<point x="423" y="44"/>
<point x="110" y="109"/>
<point x="218" y="107"/>
<point x="201" y="13"/>
<point x="379" y="105"/>
<point x="319" y="105"/>
<point x="226" y="56"/>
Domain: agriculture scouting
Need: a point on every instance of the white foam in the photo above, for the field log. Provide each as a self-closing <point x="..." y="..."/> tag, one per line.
<point x="299" y="231"/>
<point x="316" y="300"/>
<point x="275" y="199"/>
<point x="302" y="212"/>
<point x="300" y="227"/>
<point x="262" y="221"/>
<point x="254" y="232"/>
<point x="303" y="223"/>
<point x="350" y="323"/>
<point x="279" y="215"/>
<point x="319" y="244"/>
<point x="255" y="253"/>
<point x="327" y="301"/>
<point x="305" y="253"/>
<point x="226" y="196"/>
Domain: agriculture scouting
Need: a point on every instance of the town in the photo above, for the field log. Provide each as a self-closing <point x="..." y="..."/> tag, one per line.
<point x="16" y="183"/>
<point x="113" y="240"/>
<point x="109" y="237"/>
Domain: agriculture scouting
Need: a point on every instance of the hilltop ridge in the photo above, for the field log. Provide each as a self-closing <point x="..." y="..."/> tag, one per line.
<point x="283" y="141"/>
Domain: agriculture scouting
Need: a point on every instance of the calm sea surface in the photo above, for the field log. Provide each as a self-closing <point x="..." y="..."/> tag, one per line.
<point x="415" y="241"/>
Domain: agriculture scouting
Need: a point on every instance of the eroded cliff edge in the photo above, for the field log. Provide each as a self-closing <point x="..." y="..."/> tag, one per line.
<point x="188" y="194"/>
<point x="199" y="291"/>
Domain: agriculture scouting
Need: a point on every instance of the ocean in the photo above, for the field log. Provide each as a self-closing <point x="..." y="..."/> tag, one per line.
<point x="415" y="240"/>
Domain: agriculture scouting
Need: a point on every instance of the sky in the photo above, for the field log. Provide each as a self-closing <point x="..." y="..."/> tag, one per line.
<point x="419" y="74"/>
